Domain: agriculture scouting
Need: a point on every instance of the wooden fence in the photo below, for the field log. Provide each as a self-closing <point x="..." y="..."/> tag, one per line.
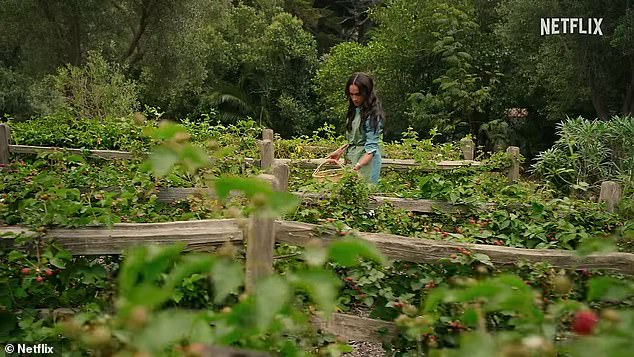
<point x="611" y="192"/>
<point x="6" y="148"/>
<point x="208" y="235"/>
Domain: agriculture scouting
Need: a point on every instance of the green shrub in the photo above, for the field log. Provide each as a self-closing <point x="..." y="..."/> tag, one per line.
<point x="96" y="90"/>
<point x="64" y="130"/>
<point x="588" y="152"/>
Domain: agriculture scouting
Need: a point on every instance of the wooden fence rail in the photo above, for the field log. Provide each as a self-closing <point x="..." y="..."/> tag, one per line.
<point x="266" y="147"/>
<point x="205" y="235"/>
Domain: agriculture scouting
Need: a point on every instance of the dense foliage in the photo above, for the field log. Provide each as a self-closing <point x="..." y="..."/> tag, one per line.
<point x="478" y="67"/>
<point x="439" y="308"/>
<point x="117" y="75"/>
<point x="589" y="152"/>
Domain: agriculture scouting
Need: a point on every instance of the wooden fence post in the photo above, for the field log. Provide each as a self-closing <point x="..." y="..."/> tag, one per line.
<point x="260" y="244"/>
<point x="610" y="194"/>
<point x="5" y="140"/>
<point x="281" y="173"/>
<point x="267" y="154"/>
<point x="514" y="171"/>
<point x="468" y="149"/>
<point x="267" y="134"/>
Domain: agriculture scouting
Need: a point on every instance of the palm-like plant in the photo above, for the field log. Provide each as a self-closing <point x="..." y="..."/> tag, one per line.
<point x="588" y="152"/>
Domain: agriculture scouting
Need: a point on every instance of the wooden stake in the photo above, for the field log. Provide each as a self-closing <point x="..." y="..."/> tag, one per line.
<point x="267" y="154"/>
<point x="5" y="140"/>
<point x="260" y="245"/>
<point x="268" y="134"/>
<point x="468" y="149"/>
<point x="514" y="171"/>
<point x="281" y="173"/>
<point x="610" y="194"/>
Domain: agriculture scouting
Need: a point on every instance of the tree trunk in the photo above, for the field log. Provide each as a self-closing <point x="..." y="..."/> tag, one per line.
<point x="75" y="36"/>
<point x="598" y="102"/>
<point x="628" y="101"/>
<point x="139" y="31"/>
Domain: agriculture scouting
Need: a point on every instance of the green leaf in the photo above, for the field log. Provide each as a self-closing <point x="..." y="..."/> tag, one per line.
<point x="202" y="332"/>
<point x="315" y="256"/>
<point x="470" y="317"/>
<point x="228" y="277"/>
<point x="282" y="202"/>
<point x="188" y="265"/>
<point x="476" y="344"/>
<point x="194" y="157"/>
<point x="162" y="160"/>
<point x="596" y="245"/>
<point x="147" y="295"/>
<point x="435" y="298"/>
<point x="145" y="263"/>
<point x="483" y="258"/>
<point x="271" y="296"/>
<point x="322" y="286"/>
<point x="165" y="329"/>
<point x="167" y="130"/>
<point x="348" y="252"/>
<point x="368" y="301"/>
<point x="610" y="289"/>
<point x="250" y="186"/>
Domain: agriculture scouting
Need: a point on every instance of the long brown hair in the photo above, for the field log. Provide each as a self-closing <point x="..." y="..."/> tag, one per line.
<point x="371" y="108"/>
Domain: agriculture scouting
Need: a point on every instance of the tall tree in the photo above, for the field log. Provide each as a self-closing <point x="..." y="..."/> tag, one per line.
<point x="577" y="74"/>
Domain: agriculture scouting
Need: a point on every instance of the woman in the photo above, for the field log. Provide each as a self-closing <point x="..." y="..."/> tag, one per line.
<point x="364" y="127"/>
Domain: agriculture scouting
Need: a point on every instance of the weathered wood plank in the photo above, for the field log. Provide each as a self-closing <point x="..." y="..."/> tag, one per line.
<point x="267" y="154"/>
<point x="282" y="172"/>
<point x="202" y="235"/>
<point x="356" y="328"/>
<point x="610" y="194"/>
<point x="260" y="244"/>
<point x="468" y="149"/>
<point x="104" y="154"/>
<point x="514" y="171"/>
<point x="268" y="134"/>
<point x="432" y="251"/>
<point x="394" y="164"/>
<point x="218" y="351"/>
<point x="5" y="141"/>
<point x="173" y="194"/>
<point x="260" y="249"/>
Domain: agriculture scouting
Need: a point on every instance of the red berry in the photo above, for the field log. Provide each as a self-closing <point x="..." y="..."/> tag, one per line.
<point x="444" y="234"/>
<point x="472" y="221"/>
<point x="584" y="322"/>
<point x="459" y="230"/>
<point x="349" y="278"/>
<point x="48" y="272"/>
<point x="39" y="279"/>
<point x="436" y="229"/>
<point x="25" y="271"/>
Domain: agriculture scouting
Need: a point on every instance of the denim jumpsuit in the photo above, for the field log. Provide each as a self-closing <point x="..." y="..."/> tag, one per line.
<point x="365" y="141"/>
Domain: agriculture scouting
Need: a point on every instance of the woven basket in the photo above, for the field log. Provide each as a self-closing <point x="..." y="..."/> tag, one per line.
<point x="330" y="175"/>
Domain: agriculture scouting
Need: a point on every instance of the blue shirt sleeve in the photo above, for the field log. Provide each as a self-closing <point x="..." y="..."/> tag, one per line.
<point x="372" y="138"/>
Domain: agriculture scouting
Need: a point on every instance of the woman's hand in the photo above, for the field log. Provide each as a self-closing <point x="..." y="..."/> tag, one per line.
<point x="335" y="155"/>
